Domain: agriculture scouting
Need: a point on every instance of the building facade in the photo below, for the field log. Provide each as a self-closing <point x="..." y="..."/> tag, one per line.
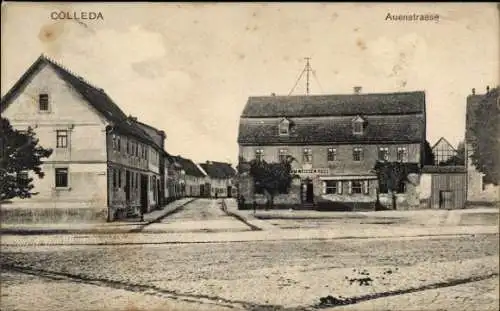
<point x="194" y="177"/>
<point x="478" y="190"/>
<point x="174" y="179"/>
<point x="221" y="179"/>
<point x="335" y="141"/>
<point x="100" y="159"/>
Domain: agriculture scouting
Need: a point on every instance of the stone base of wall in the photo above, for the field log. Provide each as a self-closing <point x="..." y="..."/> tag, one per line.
<point x="42" y="215"/>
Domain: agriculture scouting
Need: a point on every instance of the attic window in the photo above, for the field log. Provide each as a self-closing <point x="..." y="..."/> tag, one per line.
<point x="284" y="127"/>
<point x="43" y="102"/>
<point x="358" y="125"/>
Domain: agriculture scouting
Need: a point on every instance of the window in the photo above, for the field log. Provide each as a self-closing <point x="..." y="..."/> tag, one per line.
<point x="23" y="178"/>
<point x="136" y="150"/>
<point x="118" y="143"/>
<point x="358" y="125"/>
<point x="282" y="155"/>
<point x="331" y="154"/>
<point x="137" y="180"/>
<point x="357" y="186"/>
<point x="115" y="178"/>
<point x="62" y="138"/>
<point x="357" y="154"/>
<point x="119" y="173"/>
<point x="43" y="102"/>
<point x="401" y="187"/>
<point x="402" y="155"/>
<point x="61" y="177"/>
<point x="383" y="154"/>
<point x="307" y="155"/>
<point x="331" y="187"/>
<point x="284" y="127"/>
<point x="128" y="146"/>
<point x="259" y="154"/>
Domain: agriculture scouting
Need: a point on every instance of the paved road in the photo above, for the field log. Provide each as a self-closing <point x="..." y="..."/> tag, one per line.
<point x="255" y="275"/>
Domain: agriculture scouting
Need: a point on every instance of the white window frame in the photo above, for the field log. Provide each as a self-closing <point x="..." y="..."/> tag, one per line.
<point x="333" y="151"/>
<point x="360" y="150"/>
<point x="405" y="154"/>
<point x="67" y="138"/>
<point x="386" y="153"/>
<point x="259" y="154"/>
<point x="282" y="155"/>
<point x="307" y="155"/>
<point x="284" y="125"/>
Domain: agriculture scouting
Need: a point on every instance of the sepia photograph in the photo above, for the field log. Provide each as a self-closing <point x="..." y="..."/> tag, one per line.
<point x="215" y="156"/>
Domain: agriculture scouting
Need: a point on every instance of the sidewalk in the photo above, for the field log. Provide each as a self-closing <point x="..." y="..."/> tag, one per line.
<point x="122" y="226"/>
<point x="345" y="232"/>
<point x="428" y="217"/>
<point x="248" y="216"/>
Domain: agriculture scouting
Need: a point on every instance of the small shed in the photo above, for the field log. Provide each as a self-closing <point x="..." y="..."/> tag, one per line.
<point x="448" y="186"/>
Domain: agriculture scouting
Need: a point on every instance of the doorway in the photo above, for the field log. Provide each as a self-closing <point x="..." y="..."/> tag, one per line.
<point x="144" y="193"/>
<point x="127" y="186"/>
<point x="307" y="191"/>
<point x="446" y="199"/>
<point x="229" y="191"/>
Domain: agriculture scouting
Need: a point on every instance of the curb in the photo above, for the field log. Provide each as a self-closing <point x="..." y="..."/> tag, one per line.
<point x="239" y="217"/>
<point x="160" y="218"/>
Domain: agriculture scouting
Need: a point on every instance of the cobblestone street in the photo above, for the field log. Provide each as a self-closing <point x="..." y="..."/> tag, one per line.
<point x="437" y="273"/>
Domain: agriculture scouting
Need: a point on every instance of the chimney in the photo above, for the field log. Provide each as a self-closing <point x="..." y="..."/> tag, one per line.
<point x="357" y="89"/>
<point x="473" y="91"/>
<point x="487" y="89"/>
<point x="273" y="94"/>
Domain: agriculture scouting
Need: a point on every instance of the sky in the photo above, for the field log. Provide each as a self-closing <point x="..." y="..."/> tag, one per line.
<point x="189" y="68"/>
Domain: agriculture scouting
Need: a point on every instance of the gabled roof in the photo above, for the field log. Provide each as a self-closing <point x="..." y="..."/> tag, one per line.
<point x="96" y="97"/>
<point x="189" y="167"/>
<point x="445" y="142"/>
<point x="218" y="170"/>
<point x="335" y="105"/>
<point x="326" y="130"/>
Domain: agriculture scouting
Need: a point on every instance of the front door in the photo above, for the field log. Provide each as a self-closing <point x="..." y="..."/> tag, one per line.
<point x="307" y="191"/>
<point x="229" y="190"/>
<point x="446" y="199"/>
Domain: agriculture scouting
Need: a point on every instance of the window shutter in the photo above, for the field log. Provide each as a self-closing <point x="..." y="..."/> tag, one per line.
<point x="350" y="187"/>
<point x="339" y="187"/>
<point x="323" y="187"/>
<point x="365" y="187"/>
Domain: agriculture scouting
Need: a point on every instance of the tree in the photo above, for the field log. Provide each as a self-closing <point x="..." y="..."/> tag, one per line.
<point x="272" y="178"/>
<point x="486" y="137"/>
<point x="428" y="154"/>
<point x="20" y="154"/>
<point x="392" y="175"/>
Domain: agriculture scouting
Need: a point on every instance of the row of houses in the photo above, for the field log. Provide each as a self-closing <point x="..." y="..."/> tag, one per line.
<point x="102" y="159"/>
<point x="336" y="140"/>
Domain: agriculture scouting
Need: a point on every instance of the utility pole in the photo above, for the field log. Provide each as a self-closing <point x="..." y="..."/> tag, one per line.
<point x="308" y="70"/>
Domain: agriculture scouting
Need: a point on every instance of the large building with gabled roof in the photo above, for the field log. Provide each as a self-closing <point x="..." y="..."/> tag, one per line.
<point x="335" y="139"/>
<point x="103" y="160"/>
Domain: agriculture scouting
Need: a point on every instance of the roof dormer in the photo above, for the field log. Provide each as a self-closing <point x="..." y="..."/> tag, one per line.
<point x="284" y="127"/>
<point x="358" y="125"/>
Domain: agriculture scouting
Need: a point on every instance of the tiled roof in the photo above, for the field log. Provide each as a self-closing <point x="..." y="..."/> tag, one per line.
<point x="189" y="167"/>
<point x="218" y="170"/>
<point x="93" y="95"/>
<point x="387" y="128"/>
<point x="339" y="105"/>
